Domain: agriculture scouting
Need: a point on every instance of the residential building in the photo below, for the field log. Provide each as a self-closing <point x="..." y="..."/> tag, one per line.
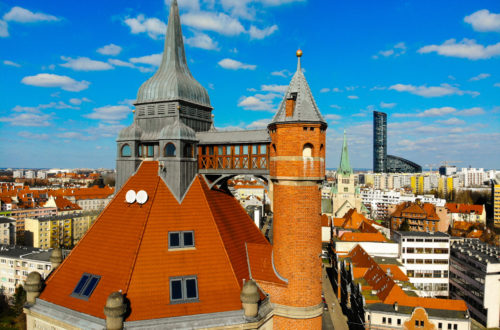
<point x="466" y="212"/>
<point x="475" y="278"/>
<point x="18" y="174"/>
<point x="42" y="175"/>
<point x="7" y="231"/>
<point x="345" y="193"/>
<point x="426" y="259"/>
<point x="424" y="217"/>
<point x="379" y="142"/>
<point x="376" y="294"/>
<point x="30" y="174"/>
<point x="496" y="201"/>
<point x="57" y="231"/>
<point x="447" y="170"/>
<point x="472" y="176"/>
<point x="17" y="262"/>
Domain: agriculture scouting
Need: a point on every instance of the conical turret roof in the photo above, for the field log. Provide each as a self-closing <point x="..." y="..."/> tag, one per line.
<point x="305" y="109"/>
<point x="345" y="166"/>
<point x="173" y="80"/>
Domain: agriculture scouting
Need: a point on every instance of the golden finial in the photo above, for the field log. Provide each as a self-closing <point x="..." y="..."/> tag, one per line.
<point x="299" y="53"/>
<point x="133" y="111"/>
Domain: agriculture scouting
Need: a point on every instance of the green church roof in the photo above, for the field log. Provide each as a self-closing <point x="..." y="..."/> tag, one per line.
<point x="345" y="167"/>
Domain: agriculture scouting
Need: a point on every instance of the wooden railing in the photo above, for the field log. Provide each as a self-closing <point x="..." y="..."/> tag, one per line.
<point x="231" y="157"/>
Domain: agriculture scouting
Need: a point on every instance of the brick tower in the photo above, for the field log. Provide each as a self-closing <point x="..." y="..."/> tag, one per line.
<point x="297" y="168"/>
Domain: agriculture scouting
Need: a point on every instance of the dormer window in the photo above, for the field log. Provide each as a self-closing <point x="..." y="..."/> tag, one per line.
<point x="180" y="239"/>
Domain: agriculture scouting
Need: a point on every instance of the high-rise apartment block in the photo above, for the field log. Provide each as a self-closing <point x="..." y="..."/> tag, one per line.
<point x="379" y="142"/>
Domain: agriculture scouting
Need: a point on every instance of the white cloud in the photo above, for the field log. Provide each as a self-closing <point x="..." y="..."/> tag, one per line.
<point x="397" y="50"/>
<point x="121" y="63"/>
<point x="256" y="33"/>
<point x="283" y="73"/>
<point x="154" y="59"/>
<point x="152" y="26"/>
<point x="254" y="103"/>
<point x="73" y="135"/>
<point x="332" y="117"/>
<point x="51" y="105"/>
<point x="467" y="48"/>
<point x="451" y="121"/>
<point x="484" y="21"/>
<point x="27" y="119"/>
<point x="110" y="49"/>
<point x="77" y="101"/>
<point x="4" y="29"/>
<point x="387" y="105"/>
<point x="324" y="90"/>
<point x="10" y="63"/>
<point x="203" y="41"/>
<point x="52" y="80"/>
<point x="335" y="106"/>
<point x="496" y="85"/>
<point x="85" y="64"/>
<point x="33" y="136"/>
<point x="230" y="64"/>
<point x="110" y="113"/>
<point x="353" y="97"/>
<point x="216" y="22"/>
<point x="480" y="76"/>
<point x="431" y="91"/>
<point x="258" y="124"/>
<point x="274" y="88"/>
<point x="21" y="15"/>
<point x="470" y="112"/>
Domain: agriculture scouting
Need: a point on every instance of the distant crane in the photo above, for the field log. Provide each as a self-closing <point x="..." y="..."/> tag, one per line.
<point x="430" y="166"/>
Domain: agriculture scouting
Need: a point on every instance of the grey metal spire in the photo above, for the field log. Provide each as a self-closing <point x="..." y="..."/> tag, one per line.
<point x="299" y="101"/>
<point x="173" y="80"/>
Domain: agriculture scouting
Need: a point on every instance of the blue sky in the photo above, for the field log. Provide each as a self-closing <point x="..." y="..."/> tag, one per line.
<point x="71" y="70"/>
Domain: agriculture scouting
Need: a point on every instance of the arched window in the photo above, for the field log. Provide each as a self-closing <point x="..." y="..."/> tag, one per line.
<point x="188" y="150"/>
<point x="307" y="151"/>
<point x="126" y="152"/>
<point x="170" y="150"/>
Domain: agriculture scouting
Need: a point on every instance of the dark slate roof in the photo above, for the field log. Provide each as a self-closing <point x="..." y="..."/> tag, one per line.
<point x="6" y="220"/>
<point x="432" y="312"/>
<point x="11" y="251"/>
<point x="173" y="80"/>
<point x="306" y="109"/>
<point x="242" y="136"/>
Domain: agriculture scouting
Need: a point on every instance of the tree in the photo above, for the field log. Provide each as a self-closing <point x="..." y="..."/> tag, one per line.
<point x="19" y="300"/>
<point x="404" y="226"/>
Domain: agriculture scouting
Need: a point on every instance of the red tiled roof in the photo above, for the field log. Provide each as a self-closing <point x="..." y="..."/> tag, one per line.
<point x="260" y="263"/>
<point x="464" y="208"/>
<point x="127" y="246"/>
<point x="363" y="237"/>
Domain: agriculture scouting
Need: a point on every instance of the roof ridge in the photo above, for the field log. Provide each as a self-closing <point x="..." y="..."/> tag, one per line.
<point x="136" y="254"/>
<point x="204" y="189"/>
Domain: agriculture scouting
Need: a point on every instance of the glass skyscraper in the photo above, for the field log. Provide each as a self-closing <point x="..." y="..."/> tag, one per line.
<point x="379" y="142"/>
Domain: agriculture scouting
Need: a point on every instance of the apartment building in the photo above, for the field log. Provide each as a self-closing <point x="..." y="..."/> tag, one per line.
<point x="7" y="231"/>
<point x="466" y="212"/>
<point x="426" y="259"/>
<point x="496" y="204"/>
<point x="17" y="262"/>
<point x="475" y="278"/>
<point x="423" y="217"/>
<point x="56" y="231"/>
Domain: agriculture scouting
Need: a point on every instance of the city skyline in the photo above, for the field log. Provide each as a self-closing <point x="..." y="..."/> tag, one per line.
<point x="430" y="68"/>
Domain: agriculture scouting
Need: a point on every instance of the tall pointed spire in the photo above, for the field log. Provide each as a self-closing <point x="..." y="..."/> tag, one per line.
<point x="345" y="166"/>
<point x="173" y="80"/>
<point x="298" y="100"/>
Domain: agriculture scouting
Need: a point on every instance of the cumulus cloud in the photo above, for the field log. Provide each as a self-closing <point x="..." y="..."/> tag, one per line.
<point x="153" y="27"/>
<point x="231" y="64"/>
<point x="4" y="29"/>
<point x="387" y="105"/>
<point x="216" y="22"/>
<point x="10" y="63"/>
<point x="496" y="85"/>
<point x="52" y="80"/>
<point x="353" y="97"/>
<point x="332" y="117"/>
<point x="467" y="48"/>
<point x="186" y="4"/>
<point x="33" y="136"/>
<point x="110" y="113"/>
<point x="431" y="91"/>
<point x="258" y="124"/>
<point x="397" y="50"/>
<point x="255" y="103"/>
<point x="154" y="59"/>
<point x="443" y="111"/>
<point x="451" y="121"/>
<point x="335" y="106"/>
<point x="480" y="76"/>
<point x="283" y="73"/>
<point x="36" y="109"/>
<point x="324" y="90"/>
<point x="274" y="88"/>
<point x="471" y="112"/>
<point x="110" y="49"/>
<point x="85" y="64"/>
<point x="121" y="63"/>
<point x="484" y="21"/>
<point x="256" y="33"/>
<point x="21" y="15"/>
<point x="203" y="41"/>
<point x="77" y="101"/>
<point x="27" y="119"/>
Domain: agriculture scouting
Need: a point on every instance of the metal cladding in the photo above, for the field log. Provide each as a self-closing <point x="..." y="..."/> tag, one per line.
<point x="173" y="80"/>
<point x="379" y="142"/>
<point x="305" y="108"/>
<point x="177" y="131"/>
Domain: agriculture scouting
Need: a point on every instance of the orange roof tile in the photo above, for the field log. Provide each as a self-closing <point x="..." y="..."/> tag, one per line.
<point x="362" y="237"/>
<point x="325" y="221"/>
<point x="464" y="208"/>
<point x="260" y="263"/>
<point x="127" y="246"/>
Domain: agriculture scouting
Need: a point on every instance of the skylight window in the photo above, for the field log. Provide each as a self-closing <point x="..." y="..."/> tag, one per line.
<point x="85" y="286"/>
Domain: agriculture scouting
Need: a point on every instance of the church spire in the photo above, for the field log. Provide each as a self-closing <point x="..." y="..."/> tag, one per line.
<point x="345" y="167"/>
<point x="173" y="80"/>
<point x="298" y="104"/>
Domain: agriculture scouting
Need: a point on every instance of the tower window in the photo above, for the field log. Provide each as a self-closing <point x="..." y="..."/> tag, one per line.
<point x="150" y="151"/>
<point x="307" y="150"/>
<point x="126" y="152"/>
<point x="183" y="289"/>
<point x="188" y="150"/>
<point x="169" y="150"/>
